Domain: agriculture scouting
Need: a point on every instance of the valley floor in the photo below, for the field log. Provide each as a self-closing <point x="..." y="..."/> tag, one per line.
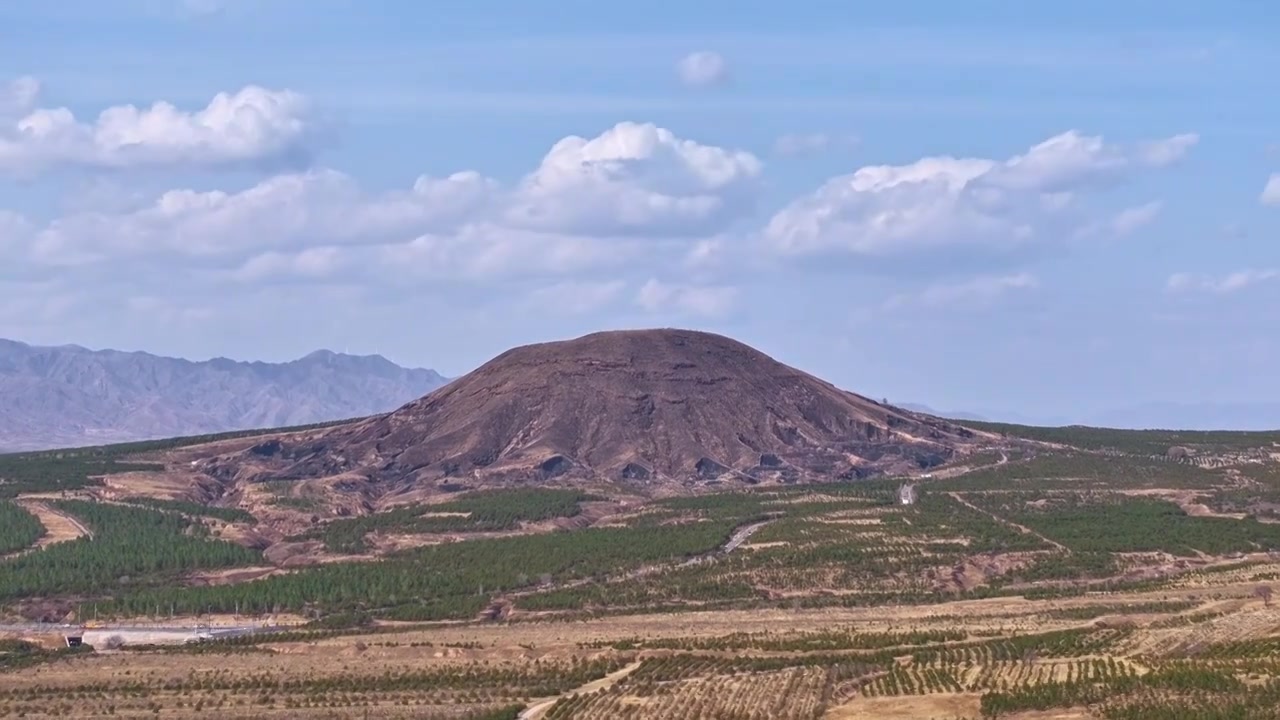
<point x="903" y="662"/>
<point x="1036" y="582"/>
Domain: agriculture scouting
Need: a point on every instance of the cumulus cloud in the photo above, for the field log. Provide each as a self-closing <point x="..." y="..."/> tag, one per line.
<point x="1162" y="153"/>
<point x="635" y="178"/>
<point x="1271" y="192"/>
<point x="486" y="250"/>
<point x="706" y="254"/>
<point x="1124" y="223"/>
<point x="978" y="291"/>
<point x="589" y="201"/>
<point x="287" y="211"/>
<point x="704" y="300"/>
<point x="1233" y="282"/>
<point x="947" y="201"/>
<point x="1130" y="220"/>
<point x="795" y="144"/>
<point x="316" y="262"/>
<point x="703" y="69"/>
<point x="254" y="126"/>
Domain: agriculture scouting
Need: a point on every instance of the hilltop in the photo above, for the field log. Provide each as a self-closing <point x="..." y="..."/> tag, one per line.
<point x="649" y="408"/>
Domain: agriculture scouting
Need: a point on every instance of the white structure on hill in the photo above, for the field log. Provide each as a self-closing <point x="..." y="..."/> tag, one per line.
<point x="907" y="494"/>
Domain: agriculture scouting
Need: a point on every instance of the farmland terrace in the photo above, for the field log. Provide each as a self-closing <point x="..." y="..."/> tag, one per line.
<point x="1077" y="573"/>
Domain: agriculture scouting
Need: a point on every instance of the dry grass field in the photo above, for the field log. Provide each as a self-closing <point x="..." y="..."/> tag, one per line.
<point x="937" y="661"/>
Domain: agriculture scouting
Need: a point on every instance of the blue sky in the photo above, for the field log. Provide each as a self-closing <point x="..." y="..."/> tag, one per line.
<point x="1032" y="209"/>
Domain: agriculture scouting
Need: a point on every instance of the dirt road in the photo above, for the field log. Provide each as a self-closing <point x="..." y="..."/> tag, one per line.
<point x="741" y="535"/>
<point x="735" y="540"/>
<point x="539" y="708"/>
<point x="1005" y="521"/>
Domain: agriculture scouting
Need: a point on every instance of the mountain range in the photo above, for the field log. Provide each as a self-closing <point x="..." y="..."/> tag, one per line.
<point x="70" y="396"/>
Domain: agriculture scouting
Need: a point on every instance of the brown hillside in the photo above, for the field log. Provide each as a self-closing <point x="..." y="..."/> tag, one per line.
<point x="642" y="407"/>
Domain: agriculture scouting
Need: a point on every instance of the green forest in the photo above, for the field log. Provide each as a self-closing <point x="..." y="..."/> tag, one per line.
<point x="1094" y="523"/>
<point x="455" y="580"/>
<point x="19" y="529"/>
<point x="130" y="547"/>
<point x="484" y="511"/>
<point x="1137" y="442"/>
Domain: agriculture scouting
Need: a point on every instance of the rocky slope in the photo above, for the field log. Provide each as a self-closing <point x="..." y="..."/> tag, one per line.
<point x="647" y="408"/>
<point x="68" y="396"/>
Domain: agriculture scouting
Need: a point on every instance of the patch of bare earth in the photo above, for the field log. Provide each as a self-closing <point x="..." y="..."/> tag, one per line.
<point x="242" y="534"/>
<point x="763" y="545"/>
<point x="1187" y="500"/>
<point x="232" y="576"/>
<point x="307" y="552"/>
<point x="909" y="707"/>
<point x="59" y="526"/>
<point x="835" y="519"/>
<point x="978" y="570"/>
<point x="383" y="543"/>
<point x="167" y="485"/>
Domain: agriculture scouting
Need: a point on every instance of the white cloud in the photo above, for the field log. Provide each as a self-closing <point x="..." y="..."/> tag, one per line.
<point x="1162" y="153"/>
<point x="320" y="207"/>
<point x="485" y="250"/>
<point x="590" y="202"/>
<point x="575" y="298"/>
<point x="635" y="178"/>
<point x="252" y="126"/>
<point x="978" y="291"/>
<point x="15" y="231"/>
<point x="31" y="302"/>
<point x="1124" y="223"/>
<point x="1130" y="220"/>
<point x="704" y="300"/>
<point x="945" y="201"/>
<point x="703" y="69"/>
<point x="706" y="253"/>
<point x="1233" y="282"/>
<point x="1271" y="192"/>
<point x="316" y="262"/>
<point x="794" y="144"/>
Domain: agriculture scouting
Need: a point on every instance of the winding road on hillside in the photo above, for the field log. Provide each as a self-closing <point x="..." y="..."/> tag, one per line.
<point x="741" y="535"/>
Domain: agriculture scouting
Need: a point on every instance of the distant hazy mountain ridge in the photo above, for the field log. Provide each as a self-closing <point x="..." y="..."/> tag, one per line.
<point x="67" y="396"/>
